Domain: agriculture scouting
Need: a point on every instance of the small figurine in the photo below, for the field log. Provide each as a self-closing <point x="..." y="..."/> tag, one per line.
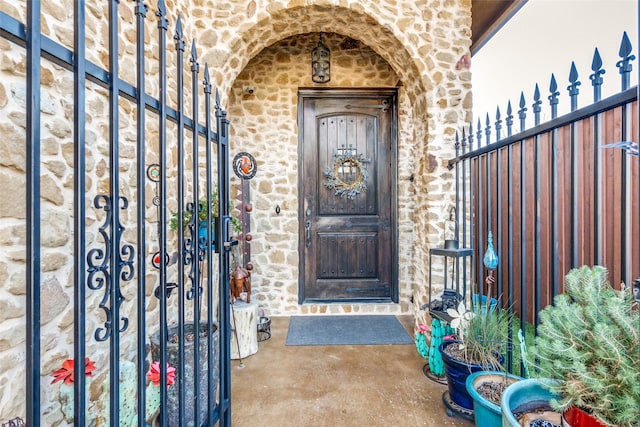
<point x="240" y="280"/>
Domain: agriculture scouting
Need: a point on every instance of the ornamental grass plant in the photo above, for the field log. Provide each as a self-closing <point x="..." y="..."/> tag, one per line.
<point x="589" y="340"/>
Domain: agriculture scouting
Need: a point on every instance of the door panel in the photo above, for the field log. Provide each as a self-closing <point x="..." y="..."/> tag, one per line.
<point x="347" y="240"/>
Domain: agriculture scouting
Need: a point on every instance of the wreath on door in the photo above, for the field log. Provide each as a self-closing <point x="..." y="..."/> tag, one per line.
<point x="350" y="189"/>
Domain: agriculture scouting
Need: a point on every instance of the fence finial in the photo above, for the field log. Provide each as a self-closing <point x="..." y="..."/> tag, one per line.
<point x="573" y="87"/>
<point x="162" y="13"/>
<point x="509" y="119"/>
<point x="487" y="130"/>
<point x="207" y="80"/>
<point x="596" y="77"/>
<point x="625" y="63"/>
<point x="553" y="98"/>
<point x="178" y="37"/>
<point x="536" y="105"/>
<point x="522" y="112"/>
<point x="194" y="55"/>
<point x="498" y="124"/>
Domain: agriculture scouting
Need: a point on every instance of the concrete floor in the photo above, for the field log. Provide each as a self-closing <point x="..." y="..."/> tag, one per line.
<point x="377" y="385"/>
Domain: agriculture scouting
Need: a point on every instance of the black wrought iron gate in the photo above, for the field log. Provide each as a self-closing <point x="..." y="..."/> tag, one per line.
<point x="129" y="261"/>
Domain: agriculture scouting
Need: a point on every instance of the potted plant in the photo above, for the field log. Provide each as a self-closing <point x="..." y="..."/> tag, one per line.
<point x="202" y="215"/>
<point x="589" y="342"/>
<point x="481" y="339"/>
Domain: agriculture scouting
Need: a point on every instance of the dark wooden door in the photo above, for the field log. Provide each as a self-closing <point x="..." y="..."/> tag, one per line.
<point x="347" y="195"/>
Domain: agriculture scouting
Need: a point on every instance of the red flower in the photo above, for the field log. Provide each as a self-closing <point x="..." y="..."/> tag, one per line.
<point x="66" y="372"/>
<point x="154" y="374"/>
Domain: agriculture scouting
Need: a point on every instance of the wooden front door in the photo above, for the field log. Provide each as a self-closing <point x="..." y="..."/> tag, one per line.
<point x="347" y="195"/>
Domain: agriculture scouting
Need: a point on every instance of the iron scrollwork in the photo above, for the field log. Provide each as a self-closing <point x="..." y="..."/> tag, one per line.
<point x="101" y="272"/>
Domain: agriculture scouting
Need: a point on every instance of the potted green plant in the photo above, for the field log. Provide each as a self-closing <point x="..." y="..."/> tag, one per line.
<point x="202" y="218"/>
<point x="481" y="338"/>
<point x="589" y="341"/>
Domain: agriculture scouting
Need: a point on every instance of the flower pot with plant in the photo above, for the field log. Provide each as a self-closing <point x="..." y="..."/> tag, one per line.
<point x="202" y="216"/>
<point x="486" y="389"/>
<point x="589" y="342"/>
<point x="481" y="340"/>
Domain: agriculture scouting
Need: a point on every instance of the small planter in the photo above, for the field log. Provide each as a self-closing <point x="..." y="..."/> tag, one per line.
<point x="575" y="417"/>
<point x="173" y="352"/>
<point x="202" y="235"/>
<point x="524" y="396"/>
<point x="485" y="412"/>
<point x="456" y="372"/>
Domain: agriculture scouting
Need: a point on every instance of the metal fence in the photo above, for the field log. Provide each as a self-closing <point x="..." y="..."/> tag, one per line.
<point x="557" y="196"/>
<point x="202" y="292"/>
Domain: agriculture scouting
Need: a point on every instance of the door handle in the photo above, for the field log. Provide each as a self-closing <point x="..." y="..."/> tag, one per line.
<point x="308" y="231"/>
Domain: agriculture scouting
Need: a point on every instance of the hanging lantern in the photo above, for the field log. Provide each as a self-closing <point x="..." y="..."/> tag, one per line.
<point x="451" y="230"/>
<point x="320" y="63"/>
<point x="490" y="256"/>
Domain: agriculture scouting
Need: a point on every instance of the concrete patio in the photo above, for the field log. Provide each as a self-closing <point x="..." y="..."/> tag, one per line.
<point x="377" y="385"/>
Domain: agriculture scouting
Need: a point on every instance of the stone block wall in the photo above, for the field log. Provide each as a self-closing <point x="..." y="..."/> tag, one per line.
<point x="412" y="45"/>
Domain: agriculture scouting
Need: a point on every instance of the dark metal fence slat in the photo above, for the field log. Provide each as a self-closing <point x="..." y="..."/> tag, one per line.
<point x="213" y="409"/>
<point x="198" y="248"/>
<point x="573" y="87"/>
<point x="222" y="125"/>
<point x="114" y="226"/>
<point x="33" y="41"/>
<point x="141" y="13"/>
<point x="185" y="245"/>
<point x="79" y="248"/>
<point x="162" y="239"/>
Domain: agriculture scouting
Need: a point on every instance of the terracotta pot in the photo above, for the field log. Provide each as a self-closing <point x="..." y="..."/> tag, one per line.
<point x="576" y="417"/>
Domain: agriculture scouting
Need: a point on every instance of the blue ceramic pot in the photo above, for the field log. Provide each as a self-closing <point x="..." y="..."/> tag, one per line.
<point x="486" y="413"/>
<point x="456" y="372"/>
<point x="524" y="395"/>
<point x="202" y="235"/>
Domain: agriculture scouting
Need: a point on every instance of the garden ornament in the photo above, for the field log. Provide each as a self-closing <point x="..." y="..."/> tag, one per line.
<point x="240" y="281"/>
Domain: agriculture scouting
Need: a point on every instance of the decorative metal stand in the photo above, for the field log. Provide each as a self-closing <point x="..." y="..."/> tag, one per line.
<point x="454" y="409"/>
<point x="264" y="328"/>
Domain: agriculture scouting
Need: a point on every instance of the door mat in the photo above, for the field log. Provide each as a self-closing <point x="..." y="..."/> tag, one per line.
<point x="346" y="330"/>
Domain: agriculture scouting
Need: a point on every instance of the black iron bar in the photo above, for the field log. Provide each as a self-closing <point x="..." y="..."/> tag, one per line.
<point x="472" y="208"/>
<point x="554" y="258"/>
<point x="488" y="200"/>
<point x="510" y="252"/>
<point x="141" y="13"/>
<point x="537" y="228"/>
<point x="465" y="200"/>
<point x="497" y="241"/>
<point x="222" y="125"/>
<point x="197" y="248"/>
<point x="162" y="149"/>
<point x="209" y="188"/>
<point x="625" y="68"/>
<point x="480" y="215"/>
<point x="114" y="227"/>
<point x="79" y="194"/>
<point x="625" y="177"/>
<point x="184" y="249"/>
<point x="573" y="92"/>
<point x="597" y="81"/>
<point x="33" y="42"/>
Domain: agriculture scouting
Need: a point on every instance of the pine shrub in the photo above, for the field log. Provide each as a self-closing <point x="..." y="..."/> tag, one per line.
<point x="590" y="341"/>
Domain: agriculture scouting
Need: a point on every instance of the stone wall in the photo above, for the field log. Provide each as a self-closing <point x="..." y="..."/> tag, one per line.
<point x="412" y="45"/>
